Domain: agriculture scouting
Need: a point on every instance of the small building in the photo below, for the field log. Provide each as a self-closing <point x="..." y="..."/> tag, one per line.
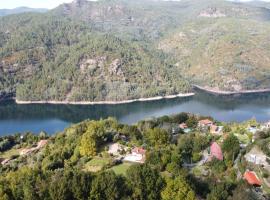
<point x="205" y="123"/>
<point x="252" y="178"/>
<point x="137" y="155"/>
<point x="216" y="130"/>
<point x="216" y="151"/>
<point x="252" y="129"/>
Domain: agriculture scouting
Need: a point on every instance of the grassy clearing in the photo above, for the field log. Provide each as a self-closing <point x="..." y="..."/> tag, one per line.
<point x="96" y="164"/>
<point x="121" y="169"/>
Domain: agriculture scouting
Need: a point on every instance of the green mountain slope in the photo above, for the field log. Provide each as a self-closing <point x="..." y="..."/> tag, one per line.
<point x="119" y="49"/>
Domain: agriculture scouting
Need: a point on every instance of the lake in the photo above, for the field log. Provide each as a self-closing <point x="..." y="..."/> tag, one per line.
<point x="53" y="118"/>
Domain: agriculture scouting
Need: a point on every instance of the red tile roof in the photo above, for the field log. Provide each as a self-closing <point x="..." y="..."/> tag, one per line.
<point x="139" y="150"/>
<point x="252" y="178"/>
<point x="216" y="151"/>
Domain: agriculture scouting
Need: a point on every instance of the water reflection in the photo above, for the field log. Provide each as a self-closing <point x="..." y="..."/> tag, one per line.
<point x="52" y="118"/>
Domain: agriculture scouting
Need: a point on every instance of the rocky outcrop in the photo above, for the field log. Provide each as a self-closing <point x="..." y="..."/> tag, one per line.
<point x="115" y="68"/>
<point x="87" y="64"/>
<point x="212" y="13"/>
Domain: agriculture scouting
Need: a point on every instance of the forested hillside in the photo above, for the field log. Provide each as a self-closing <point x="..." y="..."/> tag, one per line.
<point x="62" y="59"/>
<point x="89" y="51"/>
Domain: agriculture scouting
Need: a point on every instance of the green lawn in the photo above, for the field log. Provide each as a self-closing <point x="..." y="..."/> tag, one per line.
<point x="96" y="164"/>
<point x="121" y="169"/>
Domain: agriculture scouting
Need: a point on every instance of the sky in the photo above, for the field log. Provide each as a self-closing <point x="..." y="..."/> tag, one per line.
<point x="44" y="3"/>
<point x="32" y="3"/>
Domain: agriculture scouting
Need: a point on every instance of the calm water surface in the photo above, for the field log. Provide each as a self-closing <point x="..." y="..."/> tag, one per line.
<point x="53" y="118"/>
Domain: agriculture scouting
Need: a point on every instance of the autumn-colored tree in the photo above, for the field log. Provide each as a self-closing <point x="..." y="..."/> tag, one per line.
<point x="91" y="139"/>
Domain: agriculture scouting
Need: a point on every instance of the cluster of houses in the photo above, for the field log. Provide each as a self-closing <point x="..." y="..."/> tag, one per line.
<point x="204" y="124"/>
<point x="255" y="156"/>
<point x="250" y="176"/>
<point x="138" y="154"/>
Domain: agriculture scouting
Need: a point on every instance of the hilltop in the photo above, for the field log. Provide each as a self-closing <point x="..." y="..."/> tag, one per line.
<point x="5" y="12"/>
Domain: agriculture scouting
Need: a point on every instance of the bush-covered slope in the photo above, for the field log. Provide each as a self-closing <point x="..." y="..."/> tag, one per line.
<point x="227" y="53"/>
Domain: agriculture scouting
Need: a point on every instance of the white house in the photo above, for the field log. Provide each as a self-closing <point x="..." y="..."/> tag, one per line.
<point x="137" y="155"/>
<point x="256" y="156"/>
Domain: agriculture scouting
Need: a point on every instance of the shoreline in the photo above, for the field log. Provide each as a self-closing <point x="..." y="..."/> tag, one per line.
<point x="222" y="92"/>
<point x="104" y="102"/>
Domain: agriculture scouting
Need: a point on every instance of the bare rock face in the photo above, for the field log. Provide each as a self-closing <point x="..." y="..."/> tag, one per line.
<point x="212" y="13"/>
<point x="232" y="84"/>
<point x="92" y="63"/>
<point x="115" y="67"/>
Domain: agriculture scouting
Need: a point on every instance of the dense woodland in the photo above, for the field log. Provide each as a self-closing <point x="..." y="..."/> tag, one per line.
<point x="49" y="58"/>
<point x="59" y="170"/>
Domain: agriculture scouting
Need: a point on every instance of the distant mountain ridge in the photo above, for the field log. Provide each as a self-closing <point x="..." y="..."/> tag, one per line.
<point x="5" y="12"/>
